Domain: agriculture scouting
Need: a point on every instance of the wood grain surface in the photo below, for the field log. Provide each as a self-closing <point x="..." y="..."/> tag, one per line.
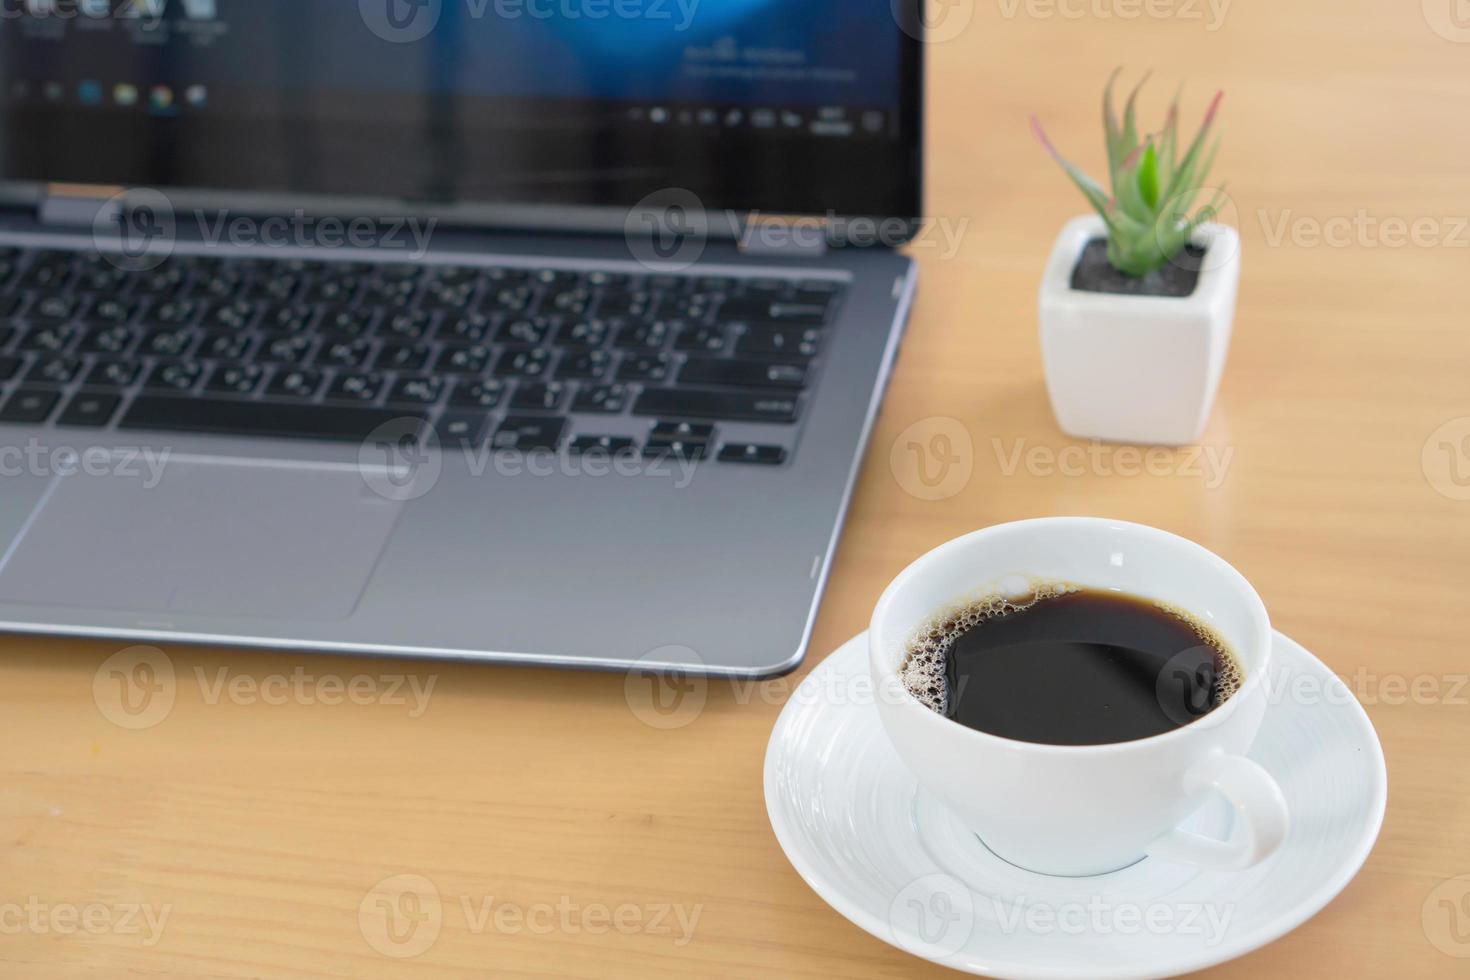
<point x="1335" y="474"/>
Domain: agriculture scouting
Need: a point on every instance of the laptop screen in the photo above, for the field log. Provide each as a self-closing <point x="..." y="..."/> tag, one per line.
<point x="800" y="106"/>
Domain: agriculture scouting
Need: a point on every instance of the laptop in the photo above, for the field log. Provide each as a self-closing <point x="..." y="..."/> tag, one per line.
<point x="521" y="333"/>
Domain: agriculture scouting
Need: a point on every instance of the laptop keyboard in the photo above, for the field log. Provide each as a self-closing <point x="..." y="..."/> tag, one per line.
<point x="499" y="357"/>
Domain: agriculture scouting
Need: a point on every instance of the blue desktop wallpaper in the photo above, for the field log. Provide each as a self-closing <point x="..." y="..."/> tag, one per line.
<point x="781" y="52"/>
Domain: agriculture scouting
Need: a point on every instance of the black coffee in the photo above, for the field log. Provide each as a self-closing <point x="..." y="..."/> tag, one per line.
<point x="1070" y="666"/>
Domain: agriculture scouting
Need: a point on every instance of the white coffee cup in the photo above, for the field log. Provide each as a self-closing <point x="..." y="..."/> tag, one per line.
<point x="1088" y="809"/>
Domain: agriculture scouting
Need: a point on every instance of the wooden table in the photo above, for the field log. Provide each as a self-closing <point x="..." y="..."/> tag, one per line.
<point x="260" y="830"/>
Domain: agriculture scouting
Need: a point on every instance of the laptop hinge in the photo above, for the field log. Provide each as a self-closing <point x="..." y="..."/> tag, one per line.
<point x="784" y="236"/>
<point x="76" y="205"/>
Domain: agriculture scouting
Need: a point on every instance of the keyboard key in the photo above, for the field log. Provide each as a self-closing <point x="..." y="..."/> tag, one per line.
<point x="174" y="377"/>
<point x="601" y="399"/>
<point x="112" y="374"/>
<point x="288" y="319"/>
<point x="108" y="340"/>
<point x="405" y="357"/>
<point x="295" y="383"/>
<point x="346" y="353"/>
<point x="415" y="391"/>
<point x="676" y="449"/>
<point x="584" y="334"/>
<point x="471" y="328"/>
<point x="602" y="446"/>
<point x="507" y="299"/>
<point x="110" y="310"/>
<point x="749" y="452"/>
<point x="408" y="325"/>
<point x="624" y="304"/>
<point x="780" y="407"/>
<point x="89" y="409"/>
<point x="523" y="363"/>
<point x="173" y="342"/>
<point x="252" y="418"/>
<point x="58" y="369"/>
<point x="646" y="336"/>
<point x="486" y="393"/>
<point x="226" y="346"/>
<point x="686" y="307"/>
<point x="742" y="374"/>
<point x="710" y="340"/>
<point x="29" y="405"/>
<point x="683" y="431"/>
<point x="646" y="367"/>
<point x="819" y="287"/>
<point x="174" y="312"/>
<point x="785" y="341"/>
<point x="451" y="274"/>
<point x="231" y="316"/>
<point x="524" y="333"/>
<point x="356" y="386"/>
<point x="572" y="302"/>
<point x="525" y="433"/>
<point x="235" y="379"/>
<point x="539" y="397"/>
<point x="54" y="309"/>
<point x="589" y="364"/>
<point x="49" y="339"/>
<point x="775" y="311"/>
<point x="449" y="296"/>
<point x="349" y="322"/>
<point x="9" y="366"/>
<point x="294" y="349"/>
<point x="766" y="287"/>
<point x="461" y="429"/>
<point x="464" y="360"/>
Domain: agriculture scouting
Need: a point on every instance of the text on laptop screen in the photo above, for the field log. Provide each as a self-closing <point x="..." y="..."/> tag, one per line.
<point x="778" y="104"/>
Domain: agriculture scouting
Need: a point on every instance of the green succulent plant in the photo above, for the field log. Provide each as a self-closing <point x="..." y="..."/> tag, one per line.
<point x="1153" y="187"/>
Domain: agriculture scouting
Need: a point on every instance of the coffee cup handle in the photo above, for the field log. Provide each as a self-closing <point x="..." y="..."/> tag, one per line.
<point x="1260" y="810"/>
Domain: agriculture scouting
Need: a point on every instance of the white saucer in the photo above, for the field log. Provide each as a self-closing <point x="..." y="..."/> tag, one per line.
<point x="858" y="829"/>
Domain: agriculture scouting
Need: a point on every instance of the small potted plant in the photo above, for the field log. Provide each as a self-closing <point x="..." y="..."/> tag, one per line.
<point x="1138" y="300"/>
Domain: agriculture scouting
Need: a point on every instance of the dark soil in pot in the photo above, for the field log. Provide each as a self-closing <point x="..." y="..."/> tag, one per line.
<point x="1094" y="274"/>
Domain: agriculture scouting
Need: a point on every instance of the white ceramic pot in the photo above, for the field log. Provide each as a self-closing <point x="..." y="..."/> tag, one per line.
<point x="1141" y="369"/>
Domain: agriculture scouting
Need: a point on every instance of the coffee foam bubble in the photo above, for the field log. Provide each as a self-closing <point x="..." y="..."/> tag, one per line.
<point x="923" y="668"/>
<point x="1230" y="675"/>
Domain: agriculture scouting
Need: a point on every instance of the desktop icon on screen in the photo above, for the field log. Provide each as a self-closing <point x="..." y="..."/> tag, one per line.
<point x="89" y="92"/>
<point x="125" y="94"/>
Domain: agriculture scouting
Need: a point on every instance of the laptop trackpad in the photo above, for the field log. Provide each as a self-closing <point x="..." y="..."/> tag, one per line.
<point x="205" y="536"/>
